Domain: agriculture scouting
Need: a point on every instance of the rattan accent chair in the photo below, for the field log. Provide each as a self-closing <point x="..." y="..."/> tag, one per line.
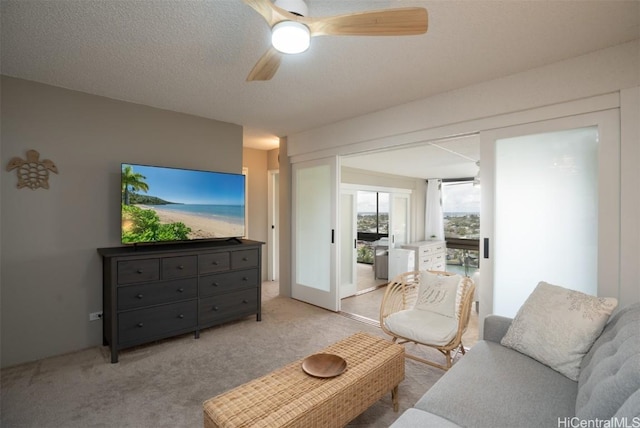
<point x="401" y="295"/>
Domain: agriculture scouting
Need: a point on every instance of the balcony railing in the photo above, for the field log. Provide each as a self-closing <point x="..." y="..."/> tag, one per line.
<point x="463" y="256"/>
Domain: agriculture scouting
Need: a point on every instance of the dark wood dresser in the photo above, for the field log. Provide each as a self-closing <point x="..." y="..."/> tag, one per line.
<point x="158" y="291"/>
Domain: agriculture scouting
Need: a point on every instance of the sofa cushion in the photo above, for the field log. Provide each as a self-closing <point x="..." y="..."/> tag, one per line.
<point x="494" y="386"/>
<point x="423" y="326"/>
<point x="609" y="382"/>
<point x="495" y="327"/>
<point x="414" y="418"/>
<point x="557" y="326"/>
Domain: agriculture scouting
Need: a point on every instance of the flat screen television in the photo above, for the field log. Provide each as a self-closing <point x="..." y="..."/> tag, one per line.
<point x="160" y="204"/>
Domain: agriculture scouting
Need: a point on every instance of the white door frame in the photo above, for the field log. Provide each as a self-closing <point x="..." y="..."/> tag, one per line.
<point x="273" y="216"/>
<point x="392" y="191"/>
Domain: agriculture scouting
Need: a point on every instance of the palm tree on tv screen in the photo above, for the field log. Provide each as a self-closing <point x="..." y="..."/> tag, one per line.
<point x="132" y="181"/>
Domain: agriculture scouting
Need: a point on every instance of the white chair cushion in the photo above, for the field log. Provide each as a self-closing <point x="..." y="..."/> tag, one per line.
<point x="438" y="293"/>
<point x="422" y="326"/>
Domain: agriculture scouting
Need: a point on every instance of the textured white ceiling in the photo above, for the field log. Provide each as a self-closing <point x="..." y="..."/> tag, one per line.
<point x="193" y="56"/>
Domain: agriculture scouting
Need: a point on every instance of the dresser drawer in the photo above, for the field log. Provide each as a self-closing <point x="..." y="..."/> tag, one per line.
<point x="439" y="248"/>
<point x="214" y="262"/>
<point x="226" y="306"/>
<point x="133" y="271"/>
<point x="228" y="281"/>
<point x="425" y="261"/>
<point x="138" y="296"/>
<point x="440" y="266"/>
<point x="179" y="267"/>
<point x="243" y="259"/>
<point x="159" y="321"/>
<point x="439" y="259"/>
<point x="432" y="249"/>
<point x="425" y="251"/>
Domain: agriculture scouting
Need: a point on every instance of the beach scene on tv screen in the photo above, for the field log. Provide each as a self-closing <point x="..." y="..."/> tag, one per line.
<point x="167" y="204"/>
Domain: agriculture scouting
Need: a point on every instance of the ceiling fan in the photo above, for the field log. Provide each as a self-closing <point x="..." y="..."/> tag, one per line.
<point x="292" y="29"/>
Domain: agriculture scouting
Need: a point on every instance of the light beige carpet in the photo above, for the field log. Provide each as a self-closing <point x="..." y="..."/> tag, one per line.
<point x="164" y="384"/>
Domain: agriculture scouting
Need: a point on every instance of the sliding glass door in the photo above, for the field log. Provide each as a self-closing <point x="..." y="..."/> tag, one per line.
<point x="400" y="260"/>
<point x="348" y="243"/>
<point x="550" y="209"/>
<point x="315" y="208"/>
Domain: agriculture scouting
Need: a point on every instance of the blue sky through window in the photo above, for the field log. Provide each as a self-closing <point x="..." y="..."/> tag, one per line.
<point x="460" y="198"/>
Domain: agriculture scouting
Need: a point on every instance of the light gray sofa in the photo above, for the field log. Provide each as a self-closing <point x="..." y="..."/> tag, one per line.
<point x="494" y="386"/>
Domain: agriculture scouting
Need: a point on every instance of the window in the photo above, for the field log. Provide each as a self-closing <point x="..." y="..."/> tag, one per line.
<point x="373" y="222"/>
<point x="461" y="211"/>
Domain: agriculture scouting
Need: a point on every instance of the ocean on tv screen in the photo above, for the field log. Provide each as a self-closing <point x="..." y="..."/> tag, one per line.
<point x="169" y="204"/>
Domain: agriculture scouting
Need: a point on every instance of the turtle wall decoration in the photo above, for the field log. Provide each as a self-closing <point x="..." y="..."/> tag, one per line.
<point x="32" y="172"/>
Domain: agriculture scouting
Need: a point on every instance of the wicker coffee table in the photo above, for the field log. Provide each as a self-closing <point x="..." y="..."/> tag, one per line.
<point x="289" y="397"/>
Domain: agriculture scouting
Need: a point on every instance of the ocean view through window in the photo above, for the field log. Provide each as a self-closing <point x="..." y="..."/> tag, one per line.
<point x="461" y="212"/>
<point x="372" y="222"/>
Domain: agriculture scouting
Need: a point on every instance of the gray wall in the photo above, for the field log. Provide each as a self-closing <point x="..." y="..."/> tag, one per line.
<point x="50" y="270"/>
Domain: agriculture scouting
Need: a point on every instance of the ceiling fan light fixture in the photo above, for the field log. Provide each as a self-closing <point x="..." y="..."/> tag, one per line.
<point x="297" y="7"/>
<point x="290" y="37"/>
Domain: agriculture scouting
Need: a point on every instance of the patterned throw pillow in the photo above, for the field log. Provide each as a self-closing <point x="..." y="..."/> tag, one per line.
<point x="437" y="293"/>
<point x="557" y="326"/>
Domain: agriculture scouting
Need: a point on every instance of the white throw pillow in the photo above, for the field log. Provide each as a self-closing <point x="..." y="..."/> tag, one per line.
<point x="557" y="326"/>
<point x="437" y="293"/>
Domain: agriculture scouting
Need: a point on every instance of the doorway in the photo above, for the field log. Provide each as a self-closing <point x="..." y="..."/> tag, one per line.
<point x="273" y="218"/>
<point x="405" y="171"/>
<point x="372" y="219"/>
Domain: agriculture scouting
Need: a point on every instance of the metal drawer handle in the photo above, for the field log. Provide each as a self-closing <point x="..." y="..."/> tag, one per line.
<point x="244" y="278"/>
<point x="215" y="308"/>
<point x="180" y="290"/>
<point x="180" y="316"/>
<point x="214" y="263"/>
<point x="215" y="284"/>
<point x="139" y="296"/>
<point x="245" y="301"/>
<point x="140" y="324"/>
<point x="139" y="271"/>
<point x="181" y="267"/>
<point x="244" y="259"/>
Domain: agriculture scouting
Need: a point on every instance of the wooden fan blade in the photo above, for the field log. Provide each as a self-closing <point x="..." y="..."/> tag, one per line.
<point x="266" y="66"/>
<point x="270" y="12"/>
<point x="391" y="22"/>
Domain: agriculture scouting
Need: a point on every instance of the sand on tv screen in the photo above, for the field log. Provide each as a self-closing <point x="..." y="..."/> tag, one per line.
<point x="162" y="204"/>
